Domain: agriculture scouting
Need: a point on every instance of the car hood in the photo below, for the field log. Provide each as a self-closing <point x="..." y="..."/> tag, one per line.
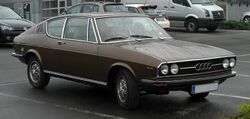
<point x="174" y="50"/>
<point x="16" y="23"/>
<point x="209" y="7"/>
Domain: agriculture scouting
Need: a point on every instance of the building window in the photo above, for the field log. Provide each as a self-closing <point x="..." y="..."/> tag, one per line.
<point x="52" y="8"/>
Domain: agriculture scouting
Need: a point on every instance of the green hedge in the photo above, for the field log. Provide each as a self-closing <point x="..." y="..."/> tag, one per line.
<point x="243" y="114"/>
<point x="235" y="25"/>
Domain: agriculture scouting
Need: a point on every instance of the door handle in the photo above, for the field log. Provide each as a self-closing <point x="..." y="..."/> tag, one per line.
<point x="172" y="7"/>
<point x="60" y="42"/>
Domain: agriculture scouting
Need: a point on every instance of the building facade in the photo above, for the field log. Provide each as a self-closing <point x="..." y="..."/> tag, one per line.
<point x="235" y="8"/>
<point x="39" y="10"/>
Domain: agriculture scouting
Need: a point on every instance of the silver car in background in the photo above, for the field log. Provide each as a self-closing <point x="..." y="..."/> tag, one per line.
<point x="245" y="17"/>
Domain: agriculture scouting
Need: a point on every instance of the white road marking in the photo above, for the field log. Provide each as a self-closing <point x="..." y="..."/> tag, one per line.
<point x="62" y="106"/>
<point x="11" y="83"/>
<point x="244" y="62"/>
<point x="244" y="75"/>
<point x="243" y="55"/>
<point x="231" y="96"/>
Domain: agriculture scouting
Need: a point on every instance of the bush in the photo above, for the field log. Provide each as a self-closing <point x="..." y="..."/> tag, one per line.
<point x="243" y="114"/>
<point x="235" y="25"/>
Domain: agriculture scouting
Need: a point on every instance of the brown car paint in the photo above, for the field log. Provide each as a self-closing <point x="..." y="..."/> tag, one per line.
<point x="95" y="60"/>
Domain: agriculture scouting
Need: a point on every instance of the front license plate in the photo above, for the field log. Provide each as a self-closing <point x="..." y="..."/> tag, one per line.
<point x="204" y="88"/>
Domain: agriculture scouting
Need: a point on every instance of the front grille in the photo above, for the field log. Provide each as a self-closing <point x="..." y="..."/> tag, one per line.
<point x="218" y="14"/>
<point x="200" y="66"/>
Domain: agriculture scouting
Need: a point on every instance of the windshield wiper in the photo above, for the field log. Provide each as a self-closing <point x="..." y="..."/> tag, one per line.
<point x="140" y="36"/>
<point x="116" y="38"/>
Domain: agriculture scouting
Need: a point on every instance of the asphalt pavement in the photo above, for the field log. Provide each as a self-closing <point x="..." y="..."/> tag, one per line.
<point x="63" y="99"/>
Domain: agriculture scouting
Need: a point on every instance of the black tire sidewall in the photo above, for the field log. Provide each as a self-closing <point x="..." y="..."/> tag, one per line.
<point x="132" y="100"/>
<point x="44" y="78"/>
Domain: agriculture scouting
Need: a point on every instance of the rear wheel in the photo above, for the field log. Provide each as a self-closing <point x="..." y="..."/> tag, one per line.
<point x="199" y="96"/>
<point x="192" y="25"/>
<point x="36" y="76"/>
<point x="212" y="28"/>
<point x="126" y="90"/>
<point x="246" y="19"/>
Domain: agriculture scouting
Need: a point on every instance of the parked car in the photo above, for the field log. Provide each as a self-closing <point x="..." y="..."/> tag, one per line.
<point x="152" y="12"/>
<point x="245" y="17"/>
<point x="194" y="14"/>
<point x="129" y="53"/>
<point x="88" y="7"/>
<point x="11" y="24"/>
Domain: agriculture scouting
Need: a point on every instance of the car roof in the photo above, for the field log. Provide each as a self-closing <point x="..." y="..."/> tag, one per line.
<point x="138" y="5"/>
<point x="101" y="3"/>
<point x="3" y="7"/>
<point x="98" y="15"/>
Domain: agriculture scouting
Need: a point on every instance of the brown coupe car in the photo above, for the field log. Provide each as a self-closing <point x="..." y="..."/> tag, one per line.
<point x="129" y="53"/>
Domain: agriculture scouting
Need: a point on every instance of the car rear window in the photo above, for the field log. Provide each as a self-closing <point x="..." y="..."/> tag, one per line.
<point x="115" y="8"/>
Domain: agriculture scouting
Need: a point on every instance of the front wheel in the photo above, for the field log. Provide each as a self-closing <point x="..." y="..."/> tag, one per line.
<point x="126" y="90"/>
<point x="199" y="95"/>
<point x="192" y="25"/>
<point x="36" y="76"/>
<point x="212" y="28"/>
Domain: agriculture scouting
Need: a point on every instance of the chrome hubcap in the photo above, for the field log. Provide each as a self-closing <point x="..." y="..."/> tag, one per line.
<point x="34" y="71"/>
<point x="122" y="89"/>
<point x="247" y="20"/>
<point x="191" y="26"/>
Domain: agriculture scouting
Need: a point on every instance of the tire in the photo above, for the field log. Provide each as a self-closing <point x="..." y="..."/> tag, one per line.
<point x="126" y="90"/>
<point x="37" y="78"/>
<point x="246" y="19"/>
<point x="212" y="28"/>
<point x="192" y="25"/>
<point x="199" y="96"/>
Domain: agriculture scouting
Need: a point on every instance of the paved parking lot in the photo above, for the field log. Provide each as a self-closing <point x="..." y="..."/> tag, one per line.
<point x="68" y="100"/>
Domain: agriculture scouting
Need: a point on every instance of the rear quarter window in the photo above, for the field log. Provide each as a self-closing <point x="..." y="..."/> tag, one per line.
<point x="54" y="27"/>
<point x="115" y="8"/>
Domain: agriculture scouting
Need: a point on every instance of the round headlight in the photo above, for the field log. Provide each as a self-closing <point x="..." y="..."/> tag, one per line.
<point x="174" y="68"/>
<point x="225" y="63"/>
<point x="164" y="69"/>
<point x="232" y="62"/>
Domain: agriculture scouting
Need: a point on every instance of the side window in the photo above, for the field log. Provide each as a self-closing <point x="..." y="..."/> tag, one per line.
<point x="76" y="9"/>
<point x="91" y="33"/>
<point x="90" y="8"/>
<point x="132" y="10"/>
<point x="54" y="27"/>
<point x="181" y="2"/>
<point x="76" y="28"/>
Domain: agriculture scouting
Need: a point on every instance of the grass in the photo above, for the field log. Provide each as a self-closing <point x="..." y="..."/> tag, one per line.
<point x="236" y="25"/>
<point x="243" y="114"/>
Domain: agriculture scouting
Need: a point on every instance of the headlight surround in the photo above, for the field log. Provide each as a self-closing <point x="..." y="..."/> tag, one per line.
<point x="206" y="13"/>
<point x="232" y="62"/>
<point x="226" y="63"/>
<point x="164" y="69"/>
<point x="4" y="27"/>
<point x="174" y="68"/>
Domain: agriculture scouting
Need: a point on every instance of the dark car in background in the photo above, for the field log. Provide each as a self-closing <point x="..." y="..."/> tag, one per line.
<point x="128" y="53"/>
<point x="88" y="7"/>
<point x="11" y="24"/>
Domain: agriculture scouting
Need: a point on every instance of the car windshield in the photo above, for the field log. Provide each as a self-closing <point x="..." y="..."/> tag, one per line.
<point x="115" y="8"/>
<point x="201" y="2"/>
<point x="7" y="13"/>
<point x="129" y="28"/>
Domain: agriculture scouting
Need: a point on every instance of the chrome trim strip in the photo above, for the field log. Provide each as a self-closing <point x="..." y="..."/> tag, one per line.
<point x="202" y="59"/>
<point x="75" y="77"/>
<point x="182" y="75"/>
<point x="17" y="55"/>
<point x="64" y="25"/>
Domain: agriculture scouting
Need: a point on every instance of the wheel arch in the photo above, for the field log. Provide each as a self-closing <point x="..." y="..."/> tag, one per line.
<point x="30" y="53"/>
<point x="114" y="69"/>
<point x="190" y="16"/>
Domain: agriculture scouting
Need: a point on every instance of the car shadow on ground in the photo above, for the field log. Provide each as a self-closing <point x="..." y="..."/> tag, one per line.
<point x="6" y="45"/>
<point x="102" y="100"/>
